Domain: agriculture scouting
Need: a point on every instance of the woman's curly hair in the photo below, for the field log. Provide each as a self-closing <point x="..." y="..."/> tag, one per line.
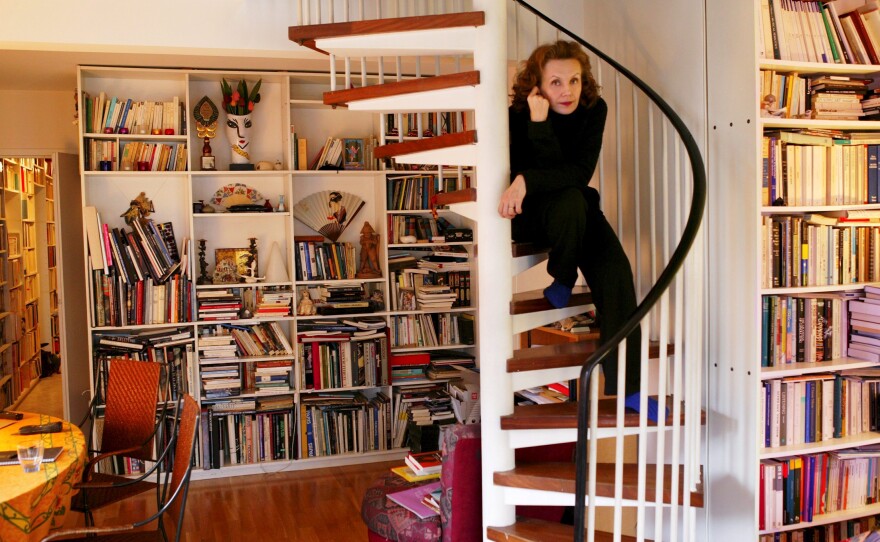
<point x="529" y="75"/>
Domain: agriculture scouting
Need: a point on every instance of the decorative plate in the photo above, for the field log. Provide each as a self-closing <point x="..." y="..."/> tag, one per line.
<point x="237" y="194"/>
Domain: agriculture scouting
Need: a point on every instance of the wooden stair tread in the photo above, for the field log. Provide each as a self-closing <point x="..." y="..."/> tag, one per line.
<point x="534" y="300"/>
<point x="454" y="196"/>
<point x="538" y="530"/>
<point x="396" y="88"/>
<point x="560" y="477"/>
<point x="564" y="416"/>
<point x="425" y="144"/>
<point x="554" y="356"/>
<point x="527" y="249"/>
<point x="307" y="34"/>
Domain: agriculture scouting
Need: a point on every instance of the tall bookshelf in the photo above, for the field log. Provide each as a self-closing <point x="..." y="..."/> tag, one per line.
<point x="272" y="396"/>
<point x="740" y="376"/>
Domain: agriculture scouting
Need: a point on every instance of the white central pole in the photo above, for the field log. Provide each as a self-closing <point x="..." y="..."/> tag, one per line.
<point x="494" y="285"/>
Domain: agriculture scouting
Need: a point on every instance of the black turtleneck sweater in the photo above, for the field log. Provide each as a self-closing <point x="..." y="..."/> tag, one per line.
<point x="559" y="152"/>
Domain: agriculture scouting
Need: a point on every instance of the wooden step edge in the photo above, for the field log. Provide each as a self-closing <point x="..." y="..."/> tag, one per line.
<point x="538" y="530"/>
<point x="397" y="88"/>
<point x="564" y="416"/>
<point x="425" y="144"/>
<point x="527" y="249"/>
<point x="312" y="32"/>
<point x="560" y="477"/>
<point x="455" y="196"/>
<point x="556" y="356"/>
<point x="534" y="300"/>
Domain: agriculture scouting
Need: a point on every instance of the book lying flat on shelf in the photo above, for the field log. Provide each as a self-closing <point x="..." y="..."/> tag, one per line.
<point x="411" y="499"/>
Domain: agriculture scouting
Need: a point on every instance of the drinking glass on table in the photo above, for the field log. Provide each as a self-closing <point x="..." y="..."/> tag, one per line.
<point x="30" y="455"/>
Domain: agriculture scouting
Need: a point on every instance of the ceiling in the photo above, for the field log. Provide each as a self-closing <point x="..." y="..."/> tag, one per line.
<point x="56" y="70"/>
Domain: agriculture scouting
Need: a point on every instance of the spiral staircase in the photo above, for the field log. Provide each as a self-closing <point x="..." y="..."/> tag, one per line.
<point x="638" y="480"/>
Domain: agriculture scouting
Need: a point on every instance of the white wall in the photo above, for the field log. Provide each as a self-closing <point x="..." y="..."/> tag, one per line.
<point x="39" y="121"/>
<point x="197" y="24"/>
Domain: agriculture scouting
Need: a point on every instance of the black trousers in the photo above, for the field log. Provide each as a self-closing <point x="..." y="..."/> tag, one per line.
<point x="571" y="223"/>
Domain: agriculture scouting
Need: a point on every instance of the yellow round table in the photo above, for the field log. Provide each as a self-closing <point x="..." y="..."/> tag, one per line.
<point x="31" y="504"/>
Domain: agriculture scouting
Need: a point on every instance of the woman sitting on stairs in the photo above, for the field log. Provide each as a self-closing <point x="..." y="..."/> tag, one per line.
<point x="556" y="122"/>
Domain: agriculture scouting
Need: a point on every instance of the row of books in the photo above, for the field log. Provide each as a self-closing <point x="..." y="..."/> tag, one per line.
<point x="436" y="329"/>
<point x="344" y="360"/>
<point x="177" y="355"/>
<point x="800" y="169"/>
<point x="820" y="407"/>
<point x="116" y="303"/>
<point x="425" y="229"/>
<point x="113" y="115"/>
<point x="335" y="424"/>
<point x="454" y="286"/>
<point x="803" y="329"/>
<point x="843" y="531"/>
<point x="413" y="192"/>
<point x="427" y="124"/>
<point x="317" y="260"/>
<point x="816" y="31"/>
<point x="817" y="96"/>
<point x="799" y="252"/>
<point x="237" y="438"/>
<point x="797" y="489"/>
<point x="345" y="153"/>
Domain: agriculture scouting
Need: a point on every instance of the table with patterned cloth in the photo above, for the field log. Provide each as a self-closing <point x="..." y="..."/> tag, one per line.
<point x="31" y="504"/>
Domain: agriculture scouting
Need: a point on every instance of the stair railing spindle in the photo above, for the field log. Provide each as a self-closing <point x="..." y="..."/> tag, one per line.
<point x="618" y="438"/>
<point x="637" y="192"/>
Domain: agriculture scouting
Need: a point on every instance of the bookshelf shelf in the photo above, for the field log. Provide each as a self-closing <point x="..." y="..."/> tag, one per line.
<point x="862" y="439"/>
<point x="851" y="125"/>
<point x="826" y="519"/>
<point x="795" y="369"/>
<point x="229" y="216"/>
<point x="814" y="67"/>
<point x="412" y="348"/>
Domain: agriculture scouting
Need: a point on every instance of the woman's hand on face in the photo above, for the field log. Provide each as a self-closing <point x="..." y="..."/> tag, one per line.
<point x="538" y="106"/>
<point x="512" y="198"/>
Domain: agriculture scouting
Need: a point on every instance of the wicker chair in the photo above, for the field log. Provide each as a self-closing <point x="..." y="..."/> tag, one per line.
<point x="130" y="427"/>
<point x="169" y="517"/>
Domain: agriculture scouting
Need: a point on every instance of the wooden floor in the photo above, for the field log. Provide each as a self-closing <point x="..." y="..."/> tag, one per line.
<point x="316" y="505"/>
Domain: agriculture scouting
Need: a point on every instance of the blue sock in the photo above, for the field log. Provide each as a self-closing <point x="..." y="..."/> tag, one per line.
<point x="558" y="294"/>
<point x="633" y="402"/>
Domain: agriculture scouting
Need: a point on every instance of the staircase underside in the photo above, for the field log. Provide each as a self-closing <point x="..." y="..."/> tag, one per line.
<point x="453" y="92"/>
<point x="564" y="416"/>
<point x="555" y="356"/>
<point x="560" y="477"/>
<point x="536" y="530"/>
<point x="306" y="33"/>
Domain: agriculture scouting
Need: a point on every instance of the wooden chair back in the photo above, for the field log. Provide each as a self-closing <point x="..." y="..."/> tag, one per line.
<point x="130" y="406"/>
<point x="177" y="487"/>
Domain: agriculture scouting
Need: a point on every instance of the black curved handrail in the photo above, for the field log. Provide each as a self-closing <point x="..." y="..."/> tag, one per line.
<point x="689" y="234"/>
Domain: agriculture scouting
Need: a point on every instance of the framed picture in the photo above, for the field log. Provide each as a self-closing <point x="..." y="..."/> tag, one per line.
<point x="230" y="264"/>
<point x="354" y="154"/>
<point x="208" y="163"/>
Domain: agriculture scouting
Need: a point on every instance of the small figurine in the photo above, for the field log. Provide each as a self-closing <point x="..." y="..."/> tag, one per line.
<point x="369" y="262"/>
<point x="251" y="276"/>
<point x="768" y="107"/>
<point x="203" y="265"/>
<point x="278" y="166"/>
<point x="305" y="307"/>
<point x="281" y="208"/>
<point x="139" y="207"/>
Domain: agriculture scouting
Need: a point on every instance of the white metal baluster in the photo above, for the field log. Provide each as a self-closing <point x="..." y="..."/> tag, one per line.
<point x="332" y="71"/>
<point x="675" y="459"/>
<point x="594" y="458"/>
<point x="347" y="72"/>
<point x="318" y="12"/>
<point x="600" y="167"/>
<point x="662" y="369"/>
<point x="652" y="190"/>
<point x="637" y="194"/>
<point x="331" y="12"/>
<point x="619" y="189"/>
<point x="399" y="115"/>
<point x="300" y="20"/>
<point x="419" y="115"/>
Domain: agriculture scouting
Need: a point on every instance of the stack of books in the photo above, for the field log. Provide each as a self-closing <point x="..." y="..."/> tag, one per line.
<point x="220" y="347"/>
<point x="272" y="377"/>
<point x="218" y="304"/>
<point x="864" y="321"/>
<point x="837" y="97"/>
<point x="445" y="364"/>
<point x="343" y="299"/>
<point x="436" y="408"/>
<point x="437" y="296"/>
<point x="424" y="463"/>
<point x="221" y="381"/>
<point x="410" y="366"/>
<point x="271" y="304"/>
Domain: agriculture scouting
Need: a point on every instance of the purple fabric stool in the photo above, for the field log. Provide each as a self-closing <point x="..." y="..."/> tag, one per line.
<point x="389" y="521"/>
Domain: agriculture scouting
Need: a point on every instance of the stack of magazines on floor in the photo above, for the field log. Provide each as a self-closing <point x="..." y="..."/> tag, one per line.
<point x="540" y="395"/>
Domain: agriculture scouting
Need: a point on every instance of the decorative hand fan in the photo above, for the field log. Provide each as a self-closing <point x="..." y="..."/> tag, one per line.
<point x="328" y="212"/>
